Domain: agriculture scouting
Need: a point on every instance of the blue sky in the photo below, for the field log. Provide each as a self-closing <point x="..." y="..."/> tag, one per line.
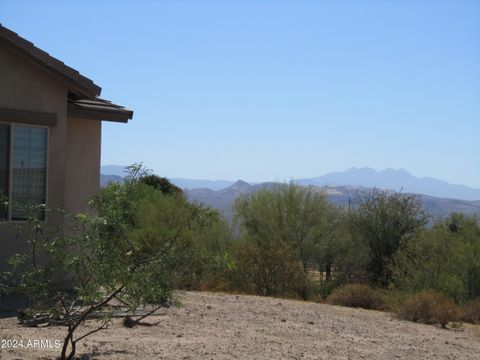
<point x="274" y="90"/>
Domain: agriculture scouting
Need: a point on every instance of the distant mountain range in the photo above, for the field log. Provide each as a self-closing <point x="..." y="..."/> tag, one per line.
<point x="389" y="179"/>
<point x="392" y="179"/>
<point x="438" y="197"/>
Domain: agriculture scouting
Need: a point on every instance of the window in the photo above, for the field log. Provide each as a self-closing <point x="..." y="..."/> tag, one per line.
<point x="23" y="170"/>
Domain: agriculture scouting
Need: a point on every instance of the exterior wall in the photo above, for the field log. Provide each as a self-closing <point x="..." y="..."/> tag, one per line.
<point x="83" y="163"/>
<point x="24" y="86"/>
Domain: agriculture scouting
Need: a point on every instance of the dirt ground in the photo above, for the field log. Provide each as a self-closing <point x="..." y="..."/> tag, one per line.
<point x="221" y="326"/>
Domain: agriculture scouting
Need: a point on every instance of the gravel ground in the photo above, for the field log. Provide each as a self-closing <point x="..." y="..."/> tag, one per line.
<point x="221" y="326"/>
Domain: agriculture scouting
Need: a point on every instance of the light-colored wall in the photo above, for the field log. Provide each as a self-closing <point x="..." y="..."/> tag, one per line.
<point x="83" y="162"/>
<point x="74" y="144"/>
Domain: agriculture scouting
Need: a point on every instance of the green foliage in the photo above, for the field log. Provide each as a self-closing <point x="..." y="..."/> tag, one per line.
<point x="160" y="183"/>
<point x="287" y="220"/>
<point x="199" y="238"/>
<point x="384" y="222"/>
<point x="445" y="258"/>
<point x="206" y="260"/>
<point x="429" y="307"/>
<point x="340" y="257"/>
<point x="357" y="295"/>
<point x="136" y="250"/>
<point x="287" y="213"/>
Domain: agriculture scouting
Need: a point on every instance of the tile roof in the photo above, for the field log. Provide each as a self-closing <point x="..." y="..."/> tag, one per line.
<point x="83" y="98"/>
<point x="78" y="83"/>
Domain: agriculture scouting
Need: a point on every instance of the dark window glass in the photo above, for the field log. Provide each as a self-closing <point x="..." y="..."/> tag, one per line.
<point x="29" y="169"/>
<point x="4" y="166"/>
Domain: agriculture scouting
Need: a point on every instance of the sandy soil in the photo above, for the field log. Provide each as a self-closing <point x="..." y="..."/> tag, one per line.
<point x="220" y="326"/>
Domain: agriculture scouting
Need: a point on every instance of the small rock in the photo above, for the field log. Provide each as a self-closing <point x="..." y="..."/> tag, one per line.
<point x="284" y="320"/>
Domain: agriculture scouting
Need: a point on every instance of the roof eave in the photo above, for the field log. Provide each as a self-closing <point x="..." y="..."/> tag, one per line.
<point x="114" y="116"/>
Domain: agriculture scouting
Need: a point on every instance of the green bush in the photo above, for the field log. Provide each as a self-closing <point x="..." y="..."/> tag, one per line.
<point x="444" y="258"/>
<point x="429" y="307"/>
<point x="357" y="295"/>
<point x="471" y="311"/>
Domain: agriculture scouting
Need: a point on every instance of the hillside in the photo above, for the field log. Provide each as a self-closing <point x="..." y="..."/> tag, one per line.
<point x="220" y="326"/>
<point x="339" y="195"/>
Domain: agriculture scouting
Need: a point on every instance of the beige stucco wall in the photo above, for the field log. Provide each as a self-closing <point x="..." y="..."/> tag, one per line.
<point x="83" y="163"/>
<point x="73" y="148"/>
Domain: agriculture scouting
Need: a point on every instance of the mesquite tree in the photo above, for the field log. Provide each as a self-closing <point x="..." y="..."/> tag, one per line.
<point x="385" y="221"/>
<point x="282" y="226"/>
<point x="125" y="254"/>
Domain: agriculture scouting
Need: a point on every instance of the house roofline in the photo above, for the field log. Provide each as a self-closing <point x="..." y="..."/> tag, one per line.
<point x="78" y="83"/>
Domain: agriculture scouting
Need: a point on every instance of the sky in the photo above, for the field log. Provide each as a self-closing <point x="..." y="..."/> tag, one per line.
<point x="276" y="90"/>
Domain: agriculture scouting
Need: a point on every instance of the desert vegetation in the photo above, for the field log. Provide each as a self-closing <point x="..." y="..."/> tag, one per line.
<point x="383" y="251"/>
<point x="145" y="240"/>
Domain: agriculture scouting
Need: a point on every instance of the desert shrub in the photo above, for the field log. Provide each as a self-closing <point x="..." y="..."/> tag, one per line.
<point x="471" y="311"/>
<point x="445" y="311"/>
<point x="356" y="295"/>
<point x="266" y="269"/>
<point x="429" y="307"/>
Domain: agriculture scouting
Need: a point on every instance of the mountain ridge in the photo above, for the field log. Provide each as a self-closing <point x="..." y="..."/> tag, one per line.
<point x="387" y="179"/>
<point x="394" y="179"/>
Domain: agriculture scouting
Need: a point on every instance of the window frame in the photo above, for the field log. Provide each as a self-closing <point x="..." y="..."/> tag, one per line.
<point x="10" y="167"/>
